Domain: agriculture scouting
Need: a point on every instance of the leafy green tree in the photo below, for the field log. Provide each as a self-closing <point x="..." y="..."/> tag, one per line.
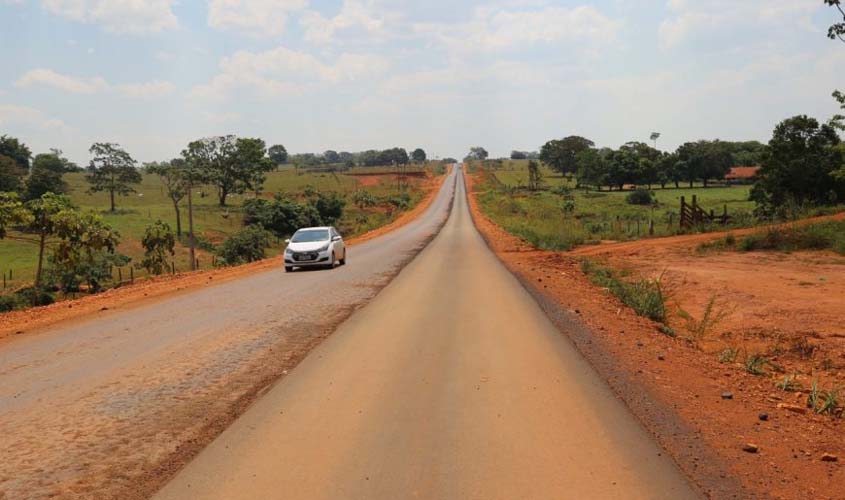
<point x="562" y="155"/>
<point x="704" y="160"/>
<point x="330" y="206"/>
<point x="159" y="243"/>
<point x="419" y="155"/>
<point x="112" y="170"/>
<point x="46" y="175"/>
<point x="175" y="182"/>
<point x="800" y="166"/>
<point x="668" y="170"/>
<point x="392" y="156"/>
<point x="747" y="153"/>
<point x="12" y="212"/>
<point x="837" y="30"/>
<point x="17" y="151"/>
<point x="364" y="199"/>
<point x="278" y="155"/>
<point x="519" y="155"/>
<point x="593" y="167"/>
<point x="477" y="153"/>
<point x="247" y="245"/>
<point x="47" y="214"/>
<point x="535" y="176"/>
<point x="281" y="215"/>
<point x="233" y="165"/>
<point x="11" y="174"/>
<point x="85" y="250"/>
<point x="331" y="156"/>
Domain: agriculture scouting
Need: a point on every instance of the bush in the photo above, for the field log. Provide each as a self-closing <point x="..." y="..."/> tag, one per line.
<point x="247" y="245"/>
<point x="640" y="197"/>
<point x="330" y="207"/>
<point x="281" y="215"/>
<point x="645" y="297"/>
<point x="822" y="236"/>
<point x="159" y="242"/>
<point x="11" y="302"/>
<point x="94" y="269"/>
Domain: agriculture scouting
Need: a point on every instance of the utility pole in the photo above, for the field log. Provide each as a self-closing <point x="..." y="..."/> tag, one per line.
<point x="191" y="242"/>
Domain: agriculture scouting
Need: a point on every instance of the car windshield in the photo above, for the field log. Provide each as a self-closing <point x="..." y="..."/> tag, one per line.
<point x="310" y="236"/>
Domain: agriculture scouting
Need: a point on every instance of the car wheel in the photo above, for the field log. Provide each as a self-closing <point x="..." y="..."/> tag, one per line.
<point x="288" y="269"/>
<point x="333" y="261"/>
<point x="343" y="260"/>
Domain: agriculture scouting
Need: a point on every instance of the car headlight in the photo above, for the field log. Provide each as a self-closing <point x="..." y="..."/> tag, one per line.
<point x="324" y="249"/>
<point x="288" y="251"/>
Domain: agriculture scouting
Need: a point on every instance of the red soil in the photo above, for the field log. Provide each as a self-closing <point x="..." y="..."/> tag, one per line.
<point x="779" y="300"/>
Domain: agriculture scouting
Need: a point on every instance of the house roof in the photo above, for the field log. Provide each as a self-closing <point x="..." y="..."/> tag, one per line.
<point x="737" y="173"/>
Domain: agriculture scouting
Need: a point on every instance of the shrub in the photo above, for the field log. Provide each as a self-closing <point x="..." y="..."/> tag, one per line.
<point x="645" y="297"/>
<point x="11" y="302"/>
<point x="247" y="245"/>
<point x="281" y="215"/>
<point x="159" y="242"/>
<point x="364" y="199"/>
<point x="822" y="236"/>
<point x="330" y="207"/>
<point x="640" y="197"/>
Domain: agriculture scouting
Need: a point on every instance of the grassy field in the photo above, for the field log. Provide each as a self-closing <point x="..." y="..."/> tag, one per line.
<point x="211" y="222"/>
<point x="554" y="219"/>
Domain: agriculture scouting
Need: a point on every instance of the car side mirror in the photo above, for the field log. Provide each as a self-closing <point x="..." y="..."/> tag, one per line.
<point x="287" y="240"/>
<point x="336" y="238"/>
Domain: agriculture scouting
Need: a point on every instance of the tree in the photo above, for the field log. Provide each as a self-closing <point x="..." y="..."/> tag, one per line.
<point x="419" y="155"/>
<point x="278" y="155"/>
<point x="159" y="244"/>
<point x="704" y="160"/>
<point x="85" y="251"/>
<point x="16" y="150"/>
<point x="654" y="137"/>
<point x="746" y="153"/>
<point x="47" y="214"/>
<point x="173" y="176"/>
<point x="330" y="206"/>
<point x="519" y="155"/>
<point x="46" y="175"/>
<point x="668" y="170"/>
<point x="247" y="245"/>
<point x="593" y="167"/>
<point x="281" y="215"/>
<point x="477" y="153"/>
<point x="233" y="165"/>
<point x="398" y="156"/>
<point x="562" y="155"/>
<point x="800" y="166"/>
<point x="111" y="170"/>
<point x="331" y="156"/>
<point x="535" y="177"/>
<point x="12" y="213"/>
<point x="11" y="174"/>
<point x="837" y="30"/>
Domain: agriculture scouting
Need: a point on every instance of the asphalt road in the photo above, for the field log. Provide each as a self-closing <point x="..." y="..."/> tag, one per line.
<point x="450" y="384"/>
<point x="110" y="407"/>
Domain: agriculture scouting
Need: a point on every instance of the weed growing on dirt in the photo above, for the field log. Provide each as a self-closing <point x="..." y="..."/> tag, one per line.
<point x="714" y="313"/>
<point x="821" y="236"/>
<point x="728" y="355"/>
<point x="646" y="297"/>
<point x="756" y="364"/>
<point x="789" y="384"/>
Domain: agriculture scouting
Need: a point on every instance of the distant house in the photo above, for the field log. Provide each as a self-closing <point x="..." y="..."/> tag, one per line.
<point x="742" y="175"/>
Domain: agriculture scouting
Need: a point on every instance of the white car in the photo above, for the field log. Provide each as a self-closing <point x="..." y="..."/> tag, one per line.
<point x="315" y="247"/>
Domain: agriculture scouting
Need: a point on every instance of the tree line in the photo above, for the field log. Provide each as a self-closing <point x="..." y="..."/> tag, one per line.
<point x="368" y="158"/>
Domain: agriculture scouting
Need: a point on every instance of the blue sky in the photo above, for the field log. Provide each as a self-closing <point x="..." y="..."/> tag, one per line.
<point x="442" y="74"/>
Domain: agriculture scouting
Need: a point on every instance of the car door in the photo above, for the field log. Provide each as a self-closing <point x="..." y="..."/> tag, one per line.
<point x="339" y="246"/>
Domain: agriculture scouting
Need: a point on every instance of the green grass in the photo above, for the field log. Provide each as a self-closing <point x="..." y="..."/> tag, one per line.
<point x="150" y="203"/>
<point x="645" y="297"/>
<point x="546" y="218"/>
<point x="821" y="236"/>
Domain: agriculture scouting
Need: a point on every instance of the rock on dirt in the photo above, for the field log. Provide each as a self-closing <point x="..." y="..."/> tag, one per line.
<point x="828" y="457"/>
<point x="750" y="448"/>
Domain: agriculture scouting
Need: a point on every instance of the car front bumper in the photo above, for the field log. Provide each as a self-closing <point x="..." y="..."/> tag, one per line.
<point x="307" y="259"/>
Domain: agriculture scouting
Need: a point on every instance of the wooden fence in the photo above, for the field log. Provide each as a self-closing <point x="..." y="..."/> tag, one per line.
<point x="693" y="215"/>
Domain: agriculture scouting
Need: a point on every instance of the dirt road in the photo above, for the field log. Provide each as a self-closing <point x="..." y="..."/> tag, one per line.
<point x="451" y="383"/>
<point x="111" y="406"/>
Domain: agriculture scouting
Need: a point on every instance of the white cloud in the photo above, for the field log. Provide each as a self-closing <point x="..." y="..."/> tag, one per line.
<point x="282" y="71"/>
<point x="11" y="114"/>
<point x="692" y="18"/>
<point x="253" y="17"/>
<point x="118" y="16"/>
<point x="353" y="14"/>
<point x="93" y="85"/>
<point x="493" y="29"/>
<point x="59" y="81"/>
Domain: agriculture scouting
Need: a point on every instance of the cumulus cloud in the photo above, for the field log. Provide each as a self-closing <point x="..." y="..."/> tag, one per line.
<point x="689" y="19"/>
<point x="262" y="18"/>
<point x="354" y="14"/>
<point x="118" y="16"/>
<point x="93" y="85"/>
<point x="494" y="29"/>
<point x="282" y="71"/>
<point x="11" y="114"/>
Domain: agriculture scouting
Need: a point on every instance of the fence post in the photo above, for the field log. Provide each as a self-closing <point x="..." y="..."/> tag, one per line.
<point x="119" y="276"/>
<point x="198" y="264"/>
<point x="173" y="267"/>
<point x="651" y="228"/>
<point x="131" y="274"/>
